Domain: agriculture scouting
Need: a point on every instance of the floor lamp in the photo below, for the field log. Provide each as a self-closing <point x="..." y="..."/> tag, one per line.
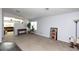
<point x="76" y="22"/>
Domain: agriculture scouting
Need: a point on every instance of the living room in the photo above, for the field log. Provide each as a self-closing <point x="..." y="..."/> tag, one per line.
<point x="46" y="20"/>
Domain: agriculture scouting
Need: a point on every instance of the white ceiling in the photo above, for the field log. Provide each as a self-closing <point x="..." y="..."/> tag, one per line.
<point x="31" y="13"/>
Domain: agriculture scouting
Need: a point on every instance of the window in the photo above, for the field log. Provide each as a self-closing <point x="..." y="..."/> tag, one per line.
<point x="34" y="25"/>
<point x="12" y="20"/>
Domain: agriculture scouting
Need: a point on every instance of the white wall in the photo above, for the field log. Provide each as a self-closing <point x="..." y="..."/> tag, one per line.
<point x="18" y="26"/>
<point x="1" y="24"/>
<point x="64" y="23"/>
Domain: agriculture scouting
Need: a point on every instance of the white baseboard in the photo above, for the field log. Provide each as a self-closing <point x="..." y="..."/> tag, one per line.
<point x="42" y="35"/>
<point x="49" y="37"/>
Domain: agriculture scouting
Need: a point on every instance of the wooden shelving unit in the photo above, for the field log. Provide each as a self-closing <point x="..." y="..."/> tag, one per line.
<point x="53" y="33"/>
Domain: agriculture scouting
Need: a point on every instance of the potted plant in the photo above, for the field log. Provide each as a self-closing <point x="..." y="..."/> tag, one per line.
<point x="29" y="27"/>
<point x="32" y="30"/>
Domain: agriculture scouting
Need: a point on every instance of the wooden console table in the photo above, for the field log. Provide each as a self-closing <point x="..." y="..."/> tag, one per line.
<point x="21" y="31"/>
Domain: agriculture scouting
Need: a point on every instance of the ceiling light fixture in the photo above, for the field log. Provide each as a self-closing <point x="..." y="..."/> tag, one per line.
<point x="17" y="11"/>
<point x="47" y="8"/>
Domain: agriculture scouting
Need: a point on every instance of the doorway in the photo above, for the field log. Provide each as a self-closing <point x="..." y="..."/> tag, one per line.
<point x="9" y="26"/>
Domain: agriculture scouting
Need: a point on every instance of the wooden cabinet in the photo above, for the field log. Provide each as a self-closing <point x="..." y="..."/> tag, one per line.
<point x="53" y="33"/>
<point x="8" y="29"/>
<point x="21" y="31"/>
